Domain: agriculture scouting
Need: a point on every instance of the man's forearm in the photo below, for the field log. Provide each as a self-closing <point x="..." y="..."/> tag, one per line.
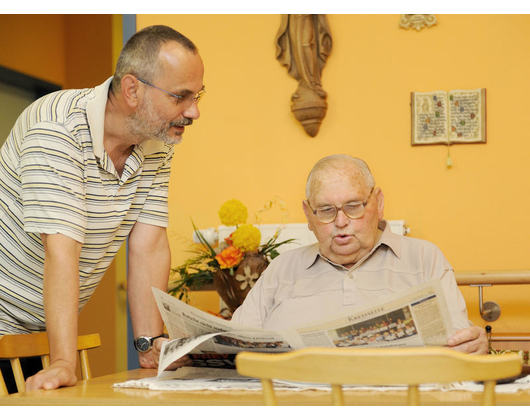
<point x="61" y="297"/>
<point x="149" y="266"/>
<point x="61" y="302"/>
<point x="145" y="316"/>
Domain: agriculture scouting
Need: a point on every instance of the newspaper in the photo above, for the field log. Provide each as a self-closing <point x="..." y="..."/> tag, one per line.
<point x="415" y="317"/>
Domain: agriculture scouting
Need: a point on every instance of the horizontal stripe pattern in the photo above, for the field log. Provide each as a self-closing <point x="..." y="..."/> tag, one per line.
<point x="51" y="182"/>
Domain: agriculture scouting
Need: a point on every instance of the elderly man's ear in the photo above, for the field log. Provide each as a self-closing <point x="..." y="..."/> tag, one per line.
<point x="307" y="212"/>
<point x="380" y="202"/>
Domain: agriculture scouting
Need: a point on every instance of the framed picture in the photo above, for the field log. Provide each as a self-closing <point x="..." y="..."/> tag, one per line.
<point x="454" y="117"/>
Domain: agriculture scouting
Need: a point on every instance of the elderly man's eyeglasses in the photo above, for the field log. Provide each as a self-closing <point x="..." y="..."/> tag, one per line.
<point x="353" y="210"/>
<point x="181" y="99"/>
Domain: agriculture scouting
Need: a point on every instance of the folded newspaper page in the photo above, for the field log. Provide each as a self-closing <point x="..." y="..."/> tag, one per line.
<point x="415" y="317"/>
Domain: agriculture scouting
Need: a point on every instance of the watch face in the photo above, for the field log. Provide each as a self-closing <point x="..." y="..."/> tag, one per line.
<point x="143" y="344"/>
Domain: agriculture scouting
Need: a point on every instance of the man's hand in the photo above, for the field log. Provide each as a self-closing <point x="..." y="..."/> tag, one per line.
<point x="151" y="358"/>
<point x="58" y="374"/>
<point x="470" y="340"/>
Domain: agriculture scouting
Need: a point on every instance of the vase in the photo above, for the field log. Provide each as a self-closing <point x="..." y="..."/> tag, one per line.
<point x="234" y="288"/>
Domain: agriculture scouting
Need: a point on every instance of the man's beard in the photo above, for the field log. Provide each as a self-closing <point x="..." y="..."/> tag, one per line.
<point x="145" y="124"/>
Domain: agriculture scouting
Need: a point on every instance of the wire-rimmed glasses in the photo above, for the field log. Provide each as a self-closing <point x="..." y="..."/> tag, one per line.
<point x="352" y="210"/>
<point x="182" y="99"/>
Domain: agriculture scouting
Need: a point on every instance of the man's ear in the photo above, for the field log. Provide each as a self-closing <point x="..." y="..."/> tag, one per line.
<point x="380" y="203"/>
<point x="308" y="213"/>
<point x="130" y="90"/>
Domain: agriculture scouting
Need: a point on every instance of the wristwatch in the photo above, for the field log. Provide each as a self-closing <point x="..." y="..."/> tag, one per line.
<point x="143" y="343"/>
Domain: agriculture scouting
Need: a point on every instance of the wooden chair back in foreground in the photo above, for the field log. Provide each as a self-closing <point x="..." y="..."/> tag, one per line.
<point x="381" y="366"/>
<point x="13" y="347"/>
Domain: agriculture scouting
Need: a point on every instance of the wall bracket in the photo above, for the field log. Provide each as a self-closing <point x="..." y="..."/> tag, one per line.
<point x="489" y="311"/>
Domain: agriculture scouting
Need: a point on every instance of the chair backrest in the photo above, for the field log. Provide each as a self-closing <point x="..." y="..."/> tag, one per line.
<point x="380" y="366"/>
<point x="13" y="347"/>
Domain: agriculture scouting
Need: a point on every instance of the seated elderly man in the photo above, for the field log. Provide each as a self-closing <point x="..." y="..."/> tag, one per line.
<point x="357" y="259"/>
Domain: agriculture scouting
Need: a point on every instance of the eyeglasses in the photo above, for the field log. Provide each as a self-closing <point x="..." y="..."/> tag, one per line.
<point x="182" y="100"/>
<point x="353" y="210"/>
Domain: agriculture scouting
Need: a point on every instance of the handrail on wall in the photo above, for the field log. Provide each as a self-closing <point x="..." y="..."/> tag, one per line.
<point x="490" y="311"/>
<point x="491" y="278"/>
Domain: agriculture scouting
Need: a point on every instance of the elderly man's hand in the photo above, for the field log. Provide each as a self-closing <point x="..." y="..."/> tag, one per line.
<point x="472" y="340"/>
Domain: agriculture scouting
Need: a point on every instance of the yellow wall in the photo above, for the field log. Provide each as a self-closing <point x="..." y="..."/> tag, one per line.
<point x="248" y="145"/>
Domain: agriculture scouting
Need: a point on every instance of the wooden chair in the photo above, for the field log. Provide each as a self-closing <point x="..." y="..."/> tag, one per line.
<point x="13" y="347"/>
<point x="382" y="366"/>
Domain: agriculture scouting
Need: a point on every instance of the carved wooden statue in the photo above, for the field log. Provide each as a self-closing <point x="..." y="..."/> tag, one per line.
<point x="303" y="45"/>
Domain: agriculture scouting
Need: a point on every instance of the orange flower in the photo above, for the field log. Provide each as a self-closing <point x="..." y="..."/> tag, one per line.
<point x="229" y="239"/>
<point x="229" y="257"/>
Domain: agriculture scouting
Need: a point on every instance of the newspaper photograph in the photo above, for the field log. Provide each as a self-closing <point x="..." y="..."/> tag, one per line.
<point x="415" y="317"/>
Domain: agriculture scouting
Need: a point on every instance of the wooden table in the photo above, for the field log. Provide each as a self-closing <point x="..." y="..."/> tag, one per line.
<point x="99" y="392"/>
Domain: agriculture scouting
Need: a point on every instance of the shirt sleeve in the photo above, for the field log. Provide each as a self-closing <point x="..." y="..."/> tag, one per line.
<point x="155" y="209"/>
<point x="52" y="177"/>
<point x="455" y="301"/>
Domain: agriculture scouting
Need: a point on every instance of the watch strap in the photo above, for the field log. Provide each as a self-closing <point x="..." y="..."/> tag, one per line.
<point x="164" y="335"/>
<point x="150" y="339"/>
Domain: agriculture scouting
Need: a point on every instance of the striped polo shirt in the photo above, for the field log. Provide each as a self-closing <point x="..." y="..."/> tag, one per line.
<point x="55" y="177"/>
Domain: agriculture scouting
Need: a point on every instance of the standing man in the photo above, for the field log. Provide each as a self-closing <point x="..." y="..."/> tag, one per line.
<point x="80" y="172"/>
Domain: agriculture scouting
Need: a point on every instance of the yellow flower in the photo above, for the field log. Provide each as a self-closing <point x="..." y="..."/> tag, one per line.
<point x="233" y="213"/>
<point x="247" y="238"/>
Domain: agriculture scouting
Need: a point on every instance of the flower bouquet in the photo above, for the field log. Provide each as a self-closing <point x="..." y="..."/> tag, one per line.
<point x="235" y="264"/>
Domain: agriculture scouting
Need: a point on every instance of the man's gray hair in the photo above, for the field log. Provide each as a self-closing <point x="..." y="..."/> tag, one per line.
<point x="339" y="162"/>
<point x="139" y="56"/>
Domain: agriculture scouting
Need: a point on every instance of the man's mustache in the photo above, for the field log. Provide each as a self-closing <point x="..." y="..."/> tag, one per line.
<point x="182" y="122"/>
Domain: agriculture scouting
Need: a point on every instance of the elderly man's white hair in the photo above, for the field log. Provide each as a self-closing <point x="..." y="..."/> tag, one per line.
<point x="339" y="162"/>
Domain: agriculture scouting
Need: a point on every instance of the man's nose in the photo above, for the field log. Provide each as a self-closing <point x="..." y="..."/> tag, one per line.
<point x="341" y="219"/>
<point x="192" y="111"/>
